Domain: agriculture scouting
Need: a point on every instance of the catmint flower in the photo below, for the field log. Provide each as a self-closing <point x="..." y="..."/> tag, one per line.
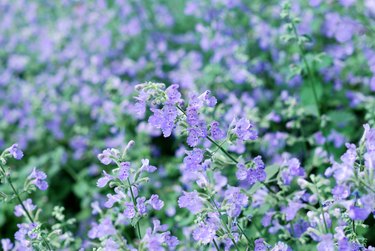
<point x="164" y="118"/>
<point x="204" y="233"/>
<point x="111" y="245"/>
<point x="129" y="211"/>
<point x="25" y="231"/>
<point x="105" y="228"/>
<point x="291" y="210"/>
<point x="236" y="201"/>
<point x="340" y="192"/>
<point x="294" y="170"/>
<point x="326" y="243"/>
<point x="370" y="138"/>
<point x="260" y="245"/>
<point x="107" y="155"/>
<point x="112" y="199"/>
<point x="207" y="98"/>
<point x="193" y="160"/>
<point x="141" y="205"/>
<point x="18" y="210"/>
<point x="216" y="132"/>
<point x="358" y="213"/>
<point x="15" y="151"/>
<point x="124" y="171"/>
<point x="37" y="178"/>
<point x="147" y="167"/>
<point x="245" y="130"/>
<point x="6" y="244"/>
<point x="191" y="201"/>
<point x="174" y="96"/>
<point x="281" y="246"/>
<point x="155" y="202"/>
<point x="103" y="181"/>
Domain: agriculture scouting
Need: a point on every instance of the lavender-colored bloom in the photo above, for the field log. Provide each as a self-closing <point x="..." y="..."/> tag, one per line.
<point x="242" y="171"/>
<point x="111" y="245"/>
<point x="6" y="244"/>
<point x="204" y="233"/>
<point x="106" y="156"/>
<point x="174" y="96"/>
<point x="129" y="211"/>
<point x="340" y="192"/>
<point x="370" y="138"/>
<point x="191" y="201"/>
<point x="194" y="159"/>
<point x="164" y="118"/>
<point x="103" y="181"/>
<point x="216" y="132"/>
<point x="155" y="202"/>
<point x="141" y="205"/>
<point x="236" y="201"/>
<point x="294" y="169"/>
<point x="112" y="199"/>
<point x="147" y="167"/>
<point x="326" y="243"/>
<point x="105" y="228"/>
<point x="260" y="245"/>
<point x="358" y="213"/>
<point x="18" y="210"/>
<point x="37" y="178"/>
<point x="16" y="152"/>
<point x="124" y="171"/>
<point x="291" y="210"/>
<point x="245" y="130"/>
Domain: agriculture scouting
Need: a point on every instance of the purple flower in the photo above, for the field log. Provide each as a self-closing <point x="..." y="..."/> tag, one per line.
<point x="18" y="210"/>
<point x="291" y="210"/>
<point x="216" y="132"/>
<point x="260" y="245"/>
<point x="174" y="96"/>
<point x="358" y="213"/>
<point x="147" y="167"/>
<point x="236" y="201"/>
<point x="6" y="244"/>
<point x="124" y="171"/>
<point x="141" y="205"/>
<point x="245" y="130"/>
<point x="326" y="243"/>
<point x="204" y="233"/>
<point x="37" y="178"/>
<point x="340" y="192"/>
<point x="111" y="245"/>
<point x="155" y="202"/>
<point x="129" y="211"/>
<point x="105" y="228"/>
<point x="164" y="118"/>
<point x="107" y="155"/>
<point x="102" y="182"/>
<point x="294" y="170"/>
<point x="191" y="201"/>
<point x="193" y="160"/>
<point x="15" y="152"/>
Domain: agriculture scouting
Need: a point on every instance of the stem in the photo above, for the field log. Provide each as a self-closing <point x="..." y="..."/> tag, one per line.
<point x="224" y="224"/>
<point x="8" y="179"/>
<point x="321" y="207"/>
<point x="312" y="80"/>
<point x="243" y="232"/>
<point x="135" y="207"/>
<point x="216" y="246"/>
<point x="213" y="141"/>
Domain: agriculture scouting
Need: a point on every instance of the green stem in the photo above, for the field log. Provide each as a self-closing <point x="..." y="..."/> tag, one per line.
<point x="135" y="207"/>
<point x="216" y="246"/>
<point x="8" y="179"/>
<point x="321" y="207"/>
<point x="224" y="224"/>
<point x="244" y="234"/>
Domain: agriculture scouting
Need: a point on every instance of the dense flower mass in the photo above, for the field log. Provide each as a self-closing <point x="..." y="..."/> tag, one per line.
<point x="187" y="125"/>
